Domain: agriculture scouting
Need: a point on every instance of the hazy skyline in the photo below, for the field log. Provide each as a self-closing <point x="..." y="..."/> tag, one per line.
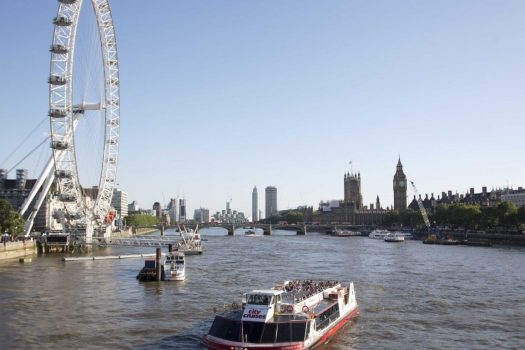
<point x="220" y="96"/>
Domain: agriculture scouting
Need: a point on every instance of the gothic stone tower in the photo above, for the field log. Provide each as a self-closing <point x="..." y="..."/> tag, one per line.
<point x="353" y="190"/>
<point x="400" y="188"/>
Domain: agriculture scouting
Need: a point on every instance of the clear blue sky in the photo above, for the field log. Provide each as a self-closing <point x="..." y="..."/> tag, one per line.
<point x="219" y="96"/>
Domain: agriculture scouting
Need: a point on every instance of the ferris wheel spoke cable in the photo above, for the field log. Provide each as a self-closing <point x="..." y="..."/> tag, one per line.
<point x="28" y="154"/>
<point x="31" y="133"/>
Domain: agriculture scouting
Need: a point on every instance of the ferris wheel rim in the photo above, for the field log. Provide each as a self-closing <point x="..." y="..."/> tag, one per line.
<point x="62" y="111"/>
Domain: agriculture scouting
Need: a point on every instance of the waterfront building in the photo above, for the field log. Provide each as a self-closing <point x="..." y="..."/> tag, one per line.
<point x="484" y="198"/>
<point x="15" y="191"/>
<point x="352" y="189"/>
<point x="202" y="215"/>
<point x="133" y="207"/>
<point x="400" y="188"/>
<point x="255" y="209"/>
<point x="157" y="208"/>
<point x="350" y="210"/>
<point x="271" y="200"/>
<point x="514" y="196"/>
<point x="119" y="201"/>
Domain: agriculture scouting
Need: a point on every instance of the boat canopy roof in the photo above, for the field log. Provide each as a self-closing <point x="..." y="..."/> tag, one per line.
<point x="265" y="292"/>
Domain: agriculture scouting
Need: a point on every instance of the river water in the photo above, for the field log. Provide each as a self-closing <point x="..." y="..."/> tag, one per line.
<point x="411" y="295"/>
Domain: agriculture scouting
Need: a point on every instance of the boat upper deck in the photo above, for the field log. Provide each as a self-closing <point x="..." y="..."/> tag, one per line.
<point x="296" y="291"/>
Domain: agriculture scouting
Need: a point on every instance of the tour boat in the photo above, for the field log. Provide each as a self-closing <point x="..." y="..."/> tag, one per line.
<point x="249" y="233"/>
<point x="378" y="234"/>
<point x="345" y="233"/>
<point x="394" y="237"/>
<point x="174" y="267"/>
<point x="294" y="315"/>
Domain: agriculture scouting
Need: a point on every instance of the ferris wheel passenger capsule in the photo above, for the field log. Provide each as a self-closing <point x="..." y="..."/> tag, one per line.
<point x="57" y="113"/>
<point x="62" y="21"/>
<point x="58" y="49"/>
<point x="57" y="80"/>
<point x="60" y="145"/>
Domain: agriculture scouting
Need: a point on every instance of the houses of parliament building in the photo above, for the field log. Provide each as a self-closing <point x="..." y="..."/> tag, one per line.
<point x="351" y="209"/>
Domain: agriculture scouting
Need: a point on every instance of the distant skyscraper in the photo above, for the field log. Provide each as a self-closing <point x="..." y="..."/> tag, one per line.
<point x="400" y="188"/>
<point x="255" y="205"/>
<point x="271" y="200"/>
<point x="182" y="210"/>
<point x="173" y="209"/>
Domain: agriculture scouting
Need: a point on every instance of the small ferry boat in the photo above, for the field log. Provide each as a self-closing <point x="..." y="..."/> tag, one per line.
<point x="378" y="234"/>
<point x="249" y="233"/>
<point x="394" y="237"/>
<point x="345" y="233"/>
<point x="294" y="315"/>
<point x="174" y="267"/>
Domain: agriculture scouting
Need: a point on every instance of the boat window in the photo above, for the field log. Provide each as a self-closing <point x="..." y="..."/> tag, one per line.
<point x="298" y="329"/>
<point x="268" y="335"/>
<point x="326" y="317"/>
<point x="226" y="329"/>
<point x="256" y="299"/>
<point x="252" y="331"/>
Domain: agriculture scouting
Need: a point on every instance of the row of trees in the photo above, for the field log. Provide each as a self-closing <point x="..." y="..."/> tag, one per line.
<point x="10" y="221"/>
<point x="468" y="216"/>
<point x="142" y="220"/>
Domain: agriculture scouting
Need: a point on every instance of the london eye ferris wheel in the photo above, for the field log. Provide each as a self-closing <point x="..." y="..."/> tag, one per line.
<point x="68" y="105"/>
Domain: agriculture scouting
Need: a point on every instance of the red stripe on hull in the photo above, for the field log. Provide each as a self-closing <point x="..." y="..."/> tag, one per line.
<point x="212" y="345"/>
<point x="352" y="315"/>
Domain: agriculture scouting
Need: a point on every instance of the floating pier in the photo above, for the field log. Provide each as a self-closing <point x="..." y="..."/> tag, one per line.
<point x="108" y="257"/>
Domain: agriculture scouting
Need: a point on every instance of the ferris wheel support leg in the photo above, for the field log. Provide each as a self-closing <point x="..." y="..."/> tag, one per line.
<point x="28" y="226"/>
<point x="43" y="176"/>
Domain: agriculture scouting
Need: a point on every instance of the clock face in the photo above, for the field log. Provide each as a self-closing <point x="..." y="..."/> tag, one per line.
<point x="402" y="183"/>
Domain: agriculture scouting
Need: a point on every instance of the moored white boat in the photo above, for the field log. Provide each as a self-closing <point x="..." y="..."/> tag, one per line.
<point x="174" y="267"/>
<point x="378" y="234"/>
<point x="345" y="233"/>
<point x="295" y="315"/>
<point x="394" y="237"/>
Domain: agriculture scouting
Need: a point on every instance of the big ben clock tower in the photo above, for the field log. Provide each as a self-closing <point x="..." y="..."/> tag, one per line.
<point x="400" y="188"/>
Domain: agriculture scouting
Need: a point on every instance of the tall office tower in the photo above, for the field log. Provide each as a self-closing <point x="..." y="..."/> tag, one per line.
<point x="173" y="210"/>
<point x="353" y="189"/>
<point x="182" y="210"/>
<point x="119" y="201"/>
<point x="255" y="205"/>
<point x="271" y="200"/>
<point x="400" y="188"/>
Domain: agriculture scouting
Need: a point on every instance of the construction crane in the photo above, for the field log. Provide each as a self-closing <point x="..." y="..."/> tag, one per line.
<point x="420" y="205"/>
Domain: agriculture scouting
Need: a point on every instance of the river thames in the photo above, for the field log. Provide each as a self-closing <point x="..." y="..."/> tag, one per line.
<point x="411" y="295"/>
